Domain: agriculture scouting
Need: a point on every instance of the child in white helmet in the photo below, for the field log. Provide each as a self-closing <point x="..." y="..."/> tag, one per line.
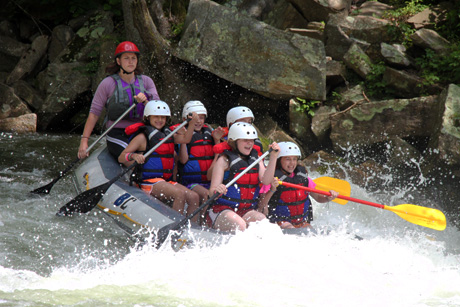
<point x="290" y="207"/>
<point x="196" y="157"/>
<point x="236" y="207"/>
<point x="239" y="115"/>
<point x="157" y="169"/>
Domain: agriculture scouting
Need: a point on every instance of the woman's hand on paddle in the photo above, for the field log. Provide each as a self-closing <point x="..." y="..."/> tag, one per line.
<point x="141" y="98"/>
<point x="82" y="149"/>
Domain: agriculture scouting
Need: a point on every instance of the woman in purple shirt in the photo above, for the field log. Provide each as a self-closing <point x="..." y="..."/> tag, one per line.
<point x="124" y="86"/>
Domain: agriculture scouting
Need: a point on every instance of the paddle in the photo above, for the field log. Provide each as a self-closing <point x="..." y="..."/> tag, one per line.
<point x="87" y="200"/>
<point x="164" y="231"/>
<point x="328" y="183"/>
<point x="426" y="217"/>
<point x="47" y="188"/>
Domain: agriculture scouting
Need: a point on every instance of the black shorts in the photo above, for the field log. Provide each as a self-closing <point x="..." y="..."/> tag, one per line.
<point x="117" y="140"/>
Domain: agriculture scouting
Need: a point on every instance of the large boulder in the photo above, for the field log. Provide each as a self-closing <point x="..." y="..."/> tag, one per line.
<point x="22" y="124"/>
<point x="446" y="139"/>
<point x="63" y="85"/>
<point x="252" y="54"/>
<point x="319" y="10"/>
<point x="375" y="122"/>
<point x="10" y="104"/>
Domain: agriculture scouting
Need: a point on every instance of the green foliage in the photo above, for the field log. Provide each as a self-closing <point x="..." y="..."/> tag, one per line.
<point x="405" y="9"/>
<point x="439" y="68"/>
<point x="177" y="29"/>
<point x="306" y="106"/>
<point x="375" y="85"/>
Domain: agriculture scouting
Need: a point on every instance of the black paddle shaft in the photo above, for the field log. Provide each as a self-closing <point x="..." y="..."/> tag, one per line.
<point x="87" y="200"/>
<point x="164" y="231"/>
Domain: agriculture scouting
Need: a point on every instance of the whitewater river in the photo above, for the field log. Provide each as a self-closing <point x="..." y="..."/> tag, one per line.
<point x="86" y="260"/>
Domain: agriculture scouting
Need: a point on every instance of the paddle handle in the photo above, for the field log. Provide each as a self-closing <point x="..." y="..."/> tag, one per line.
<point x="365" y="202"/>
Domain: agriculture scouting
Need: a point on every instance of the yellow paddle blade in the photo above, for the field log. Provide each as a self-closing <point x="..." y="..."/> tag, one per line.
<point x="328" y="183"/>
<point x="427" y="217"/>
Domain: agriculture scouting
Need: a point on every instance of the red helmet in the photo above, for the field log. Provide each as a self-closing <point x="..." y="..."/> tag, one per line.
<point x="126" y="47"/>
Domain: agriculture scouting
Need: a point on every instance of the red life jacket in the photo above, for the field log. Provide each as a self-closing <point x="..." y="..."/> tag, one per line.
<point x="200" y="156"/>
<point x="244" y="193"/>
<point x="291" y="204"/>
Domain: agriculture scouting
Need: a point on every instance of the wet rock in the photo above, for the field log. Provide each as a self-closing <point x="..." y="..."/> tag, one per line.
<point x="372" y="9"/>
<point x="357" y="60"/>
<point x="29" y="59"/>
<point x="62" y="84"/>
<point x="336" y="73"/>
<point x="395" y="55"/>
<point x="284" y="15"/>
<point x="321" y="123"/>
<point x="22" y="124"/>
<point x="10" y="104"/>
<point x="407" y="85"/>
<point x="245" y="51"/>
<point x="317" y="10"/>
<point x="374" y="122"/>
<point x="427" y="38"/>
<point x="60" y="37"/>
<point x="445" y="141"/>
<point x="300" y="125"/>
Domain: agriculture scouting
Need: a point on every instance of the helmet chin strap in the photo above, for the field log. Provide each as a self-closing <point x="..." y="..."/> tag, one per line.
<point x="126" y="72"/>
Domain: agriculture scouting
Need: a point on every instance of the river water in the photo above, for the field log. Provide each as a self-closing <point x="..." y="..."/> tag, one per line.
<point x="87" y="260"/>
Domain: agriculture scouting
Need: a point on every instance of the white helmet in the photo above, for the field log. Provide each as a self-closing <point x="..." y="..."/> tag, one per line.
<point x="289" y="149"/>
<point x="157" y="107"/>
<point x="193" y="106"/>
<point x="242" y="131"/>
<point x="238" y="112"/>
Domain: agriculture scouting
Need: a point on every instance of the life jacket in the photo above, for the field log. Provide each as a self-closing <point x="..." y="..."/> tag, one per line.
<point x="222" y="146"/>
<point x="244" y="193"/>
<point x="160" y="163"/>
<point x="291" y="204"/>
<point x="123" y="97"/>
<point x="200" y="157"/>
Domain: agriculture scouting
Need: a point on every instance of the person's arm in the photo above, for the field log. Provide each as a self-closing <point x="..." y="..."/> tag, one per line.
<point x="89" y="126"/>
<point x="324" y="198"/>
<point x="266" y="195"/>
<point x="217" y="186"/>
<point x="183" y="154"/>
<point x="217" y="135"/>
<point x="129" y="155"/>
<point x="187" y="137"/>
<point x="266" y="175"/>
<point x="150" y="88"/>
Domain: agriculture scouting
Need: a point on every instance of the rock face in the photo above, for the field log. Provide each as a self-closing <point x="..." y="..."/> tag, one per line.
<point x="375" y="122"/>
<point x="254" y="55"/>
<point x="21" y="124"/>
<point x="446" y="140"/>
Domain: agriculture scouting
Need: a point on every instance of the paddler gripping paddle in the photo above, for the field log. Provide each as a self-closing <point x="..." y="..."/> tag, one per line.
<point x="164" y="231"/>
<point x="426" y="217"/>
<point x="47" y="188"/>
<point x="87" y="200"/>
